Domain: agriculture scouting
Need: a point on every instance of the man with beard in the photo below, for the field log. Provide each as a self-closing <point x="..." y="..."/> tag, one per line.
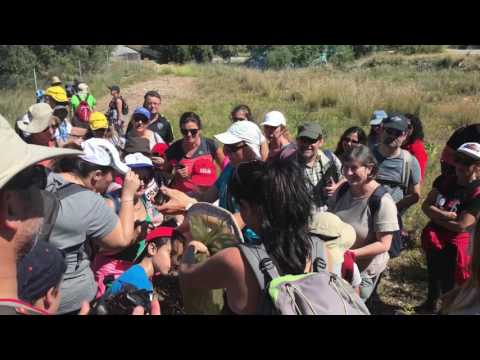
<point x="22" y="210"/>
<point x="322" y="168"/>
<point x="398" y="170"/>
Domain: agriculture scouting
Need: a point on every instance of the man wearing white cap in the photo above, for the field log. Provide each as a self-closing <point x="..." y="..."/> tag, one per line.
<point x="22" y="209"/>
<point x="241" y="143"/>
<point x="276" y="132"/>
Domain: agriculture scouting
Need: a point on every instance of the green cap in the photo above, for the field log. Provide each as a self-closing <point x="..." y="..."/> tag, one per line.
<point x="310" y="130"/>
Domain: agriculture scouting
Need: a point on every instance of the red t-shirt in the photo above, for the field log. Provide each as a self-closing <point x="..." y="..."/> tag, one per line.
<point x="176" y="155"/>
<point x="417" y="149"/>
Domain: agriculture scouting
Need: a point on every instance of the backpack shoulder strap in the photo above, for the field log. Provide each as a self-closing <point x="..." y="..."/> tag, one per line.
<point x="329" y="155"/>
<point x="374" y="203"/>
<point x="319" y="255"/>
<point x="342" y="190"/>
<point x="69" y="190"/>
<point x="407" y="168"/>
<point x="260" y="263"/>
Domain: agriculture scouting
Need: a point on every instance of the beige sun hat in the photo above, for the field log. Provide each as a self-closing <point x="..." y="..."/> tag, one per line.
<point x="56" y="81"/>
<point x="18" y="155"/>
<point x="330" y="226"/>
<point x="36" y="119"/>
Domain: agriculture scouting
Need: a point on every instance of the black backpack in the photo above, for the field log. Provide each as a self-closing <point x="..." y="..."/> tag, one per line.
<point x="398" y="243"/>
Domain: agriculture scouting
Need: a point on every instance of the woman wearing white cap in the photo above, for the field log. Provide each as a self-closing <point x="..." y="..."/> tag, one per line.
<point x="276" y="132"/>
<point x="241" y="143"/>
<point x="85" y="218"/>
<point x="146" y="216"/>
<point x="453" y="206"/>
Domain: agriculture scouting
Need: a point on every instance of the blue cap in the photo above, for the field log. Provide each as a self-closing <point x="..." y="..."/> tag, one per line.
<point x="378" y="117"/>
<point x="143" y="112"/>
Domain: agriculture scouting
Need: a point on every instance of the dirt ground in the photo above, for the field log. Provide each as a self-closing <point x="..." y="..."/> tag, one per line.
<point x="170" y="87"/>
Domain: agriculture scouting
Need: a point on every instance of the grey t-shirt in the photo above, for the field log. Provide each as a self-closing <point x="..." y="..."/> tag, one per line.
<point x="355" y="211"/>
<point x="82" y="215"/>
<point x="390" y="169"/>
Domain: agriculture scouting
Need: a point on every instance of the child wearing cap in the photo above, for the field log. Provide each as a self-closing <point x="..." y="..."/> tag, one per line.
<point x="39" y="275"/>
<point x="155" y="258"/>
<point x="453" y="206"/>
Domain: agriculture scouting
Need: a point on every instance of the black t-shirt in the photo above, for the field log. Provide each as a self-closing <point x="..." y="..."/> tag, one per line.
<point x="163" y="128"/>
<point x="456" y="198"/>
<point x="465" y="134"/>
<point x="207" y="147"/>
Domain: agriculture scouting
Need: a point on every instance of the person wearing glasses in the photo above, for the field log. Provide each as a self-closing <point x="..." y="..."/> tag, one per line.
<point x="322" y="168"/>
<point x="398" y="170"/>
<point x="109" y="267"/>
<point x="350" y="138"/>
<point x="242" y="113"/>
<point x="140" y="121"/>
<point x="453" y="206"/>
<point x="241" y="143"/>
<point x="414" y="143"/>
<point x="183" y="153"/>
<point x="375" y="126"/>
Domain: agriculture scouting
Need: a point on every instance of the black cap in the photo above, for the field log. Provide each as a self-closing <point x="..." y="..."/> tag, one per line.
<point x="40" y="270"/>
<point x="396" y="121"/>
<point x="114" y="88"/>
<point x="310" y="130"/>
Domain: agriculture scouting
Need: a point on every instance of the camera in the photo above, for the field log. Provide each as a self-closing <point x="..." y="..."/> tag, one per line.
<point x="160" y="198"/>
<point x="123" y="302"/>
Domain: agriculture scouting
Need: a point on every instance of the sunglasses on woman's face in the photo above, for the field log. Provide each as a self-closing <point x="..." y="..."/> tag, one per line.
<point x="141" y="119"/>
<point x="230" y="149"/>
<point x="350" y="140"/>
<point x="193" y="132"/>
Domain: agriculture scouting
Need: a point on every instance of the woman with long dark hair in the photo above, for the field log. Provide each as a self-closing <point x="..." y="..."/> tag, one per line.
<point x="414" y="143"/>
<point x="275" y="203"/>
<point x="183" y="153"/>
<point x="350" y="138"/>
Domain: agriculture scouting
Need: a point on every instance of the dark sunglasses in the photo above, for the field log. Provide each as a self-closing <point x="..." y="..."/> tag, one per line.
<point x="142" y="119"/>
<point x="394" y="132"/>
<point x="350" y="140"/>
<point x="307" y="141"/>
<point x="33" y="176"/>
<point x="230" y="149"/>
<point x="185" y="132"/>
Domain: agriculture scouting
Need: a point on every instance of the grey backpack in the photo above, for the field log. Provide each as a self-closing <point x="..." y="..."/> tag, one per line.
<point x="316" y="293"/>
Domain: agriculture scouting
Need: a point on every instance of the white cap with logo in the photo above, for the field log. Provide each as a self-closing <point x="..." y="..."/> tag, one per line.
<point x="102" y="152"/>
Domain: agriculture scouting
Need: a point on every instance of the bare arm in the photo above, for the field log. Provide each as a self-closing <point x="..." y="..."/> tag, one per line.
<point x="412" y="197"/>
<point x="264" y="150"/>
<point x="119" y="104"/>
<point x="219" y="156"/>
<point x="434" y="212"/>
<point x="465" y="220"/>
<point x="383" y="243"/>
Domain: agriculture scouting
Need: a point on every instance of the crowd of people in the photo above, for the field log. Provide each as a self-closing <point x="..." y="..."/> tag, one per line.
<point x="94" y="206"/>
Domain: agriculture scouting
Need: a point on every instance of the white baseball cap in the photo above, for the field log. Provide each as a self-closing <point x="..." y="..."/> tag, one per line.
<point x="470" y="149"/>
<point x="138" y="160"/>
<point x="102" y="152"/>
<point x="378" y="117"/>
<point x="246" y="131"/>
<point x="274" y="118"/>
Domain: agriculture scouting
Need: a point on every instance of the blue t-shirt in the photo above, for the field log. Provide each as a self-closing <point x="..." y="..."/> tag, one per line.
<point x="135" y="276"/>
<point x="226" y="201"/>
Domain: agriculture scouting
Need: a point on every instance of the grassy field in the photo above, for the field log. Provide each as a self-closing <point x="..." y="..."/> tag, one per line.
<point x="442" y="89"/>
<point x="445" y="97"/>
